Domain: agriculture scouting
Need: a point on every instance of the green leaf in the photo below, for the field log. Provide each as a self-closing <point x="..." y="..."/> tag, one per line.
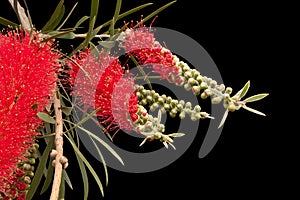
<point x="82" y="19"/>
<point x="69" y="34"/>
<point x="88" y="165"/>
<point x="129" y="12"/>
<point x="46" y="118"/>
<point x="55" y="17"/>
<point x="67" y="179"/>
<point x="107" y="44"/>
<point x="50" y="172"/>
<point x="256" y="97"/>
<point x="82" y="171"/>
<point x="40" y="169"/>
<point x="253" y="110"/>
<point x="141" y="71"/>
<point x="6" y="22"/>
<point x="223" y="118"/>
<point x="68" y="16"/>
<point x="111" y="150"/>
<point x="115" y="17"/>
<point x="62" y="188"/>
<point x="102" y="160"/>
<point x="240" y="94"/>
<point x="176" y="134"/>
<point x="67" y="110"/>
<point x="155" y="12"/>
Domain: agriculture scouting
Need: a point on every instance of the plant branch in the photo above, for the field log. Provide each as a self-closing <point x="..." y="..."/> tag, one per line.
<point x="24" y="20"/>
<point x="59" y="149"/>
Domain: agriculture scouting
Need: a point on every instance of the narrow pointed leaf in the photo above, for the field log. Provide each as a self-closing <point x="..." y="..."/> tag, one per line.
<point x="153" y="14"/>
<point x="68" y="16"/>
<point x="241" y="93"/>
<point x="46" y="118"/>
<point x="129" y="12"/>
<point x="223" y="119"/>
<point x="143" y="142"/>
<point x="176" y="134"/>
<point x="80" y="21"/>
<point x="67" y="179"/>
<point x="83" y="172"/>
<point x="111" y="150"/>
<point x="256" y="97"/>
<point x="55" y="17"/>
<point x="67" y="110"/>
<point x="253" y="110"/>
<point x="62" y="188"/>
<point x="88" y="165"/>
<point x="50" y="173"/>
<point x="6" y="22"/>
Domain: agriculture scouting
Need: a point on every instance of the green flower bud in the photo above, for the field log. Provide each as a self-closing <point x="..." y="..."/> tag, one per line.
<point x="187" y="86"/>
<point x="149" y="98"/>
<point x="144" y="102"/>
<point x="231" y="107"/>
<point x="166" y="106"/>
<point x="169" y="99"/>
<point x="203" y="95"/>
<point x="216" y="100"/>
<point x="193" y="117"/>
<point x="182" y="115"/>
<point x="26" y="167"/>
<point x="185" y="68"/>
<point x="188" y="105"/>
<point x="187" y="74"/>
<point x="220" y="87"/>
<point x="203" y="85"/>
<point x="199" y="79"/>
<point x="228" y="90"/>
<point x="197" y="108"/>
<point x="196" y="90"/>
<point x="160" y="100"/>
<point x="154" y="106"/>
<point x="191" y="81"/>
<point x="213" y="83"/>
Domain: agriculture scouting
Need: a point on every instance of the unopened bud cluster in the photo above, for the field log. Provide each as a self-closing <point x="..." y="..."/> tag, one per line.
<point x="169" y="105"/>
<point x="191" y="79"/>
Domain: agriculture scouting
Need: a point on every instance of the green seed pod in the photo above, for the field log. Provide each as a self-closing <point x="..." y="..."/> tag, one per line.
<point x="169" y="99"/>
<point x="26" y="167"/>
<point x="160" y="100"/>
<point x="191" y="81"/>
<point x="187" y="74"/>
<point x="144" y="102"/>
<point x="199" y="79"/>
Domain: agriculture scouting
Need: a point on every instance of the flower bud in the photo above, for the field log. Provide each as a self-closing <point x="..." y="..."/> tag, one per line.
<point x="231" y="107"/>
<point x="182" y="115"/>
<point x="187" y="86"/>
<point x="228" y="90"/>
<point x="196" y="90"/>
<point x="203" y="85"/>
<point x="197" y="108"/>
<point x="216" y="100"/>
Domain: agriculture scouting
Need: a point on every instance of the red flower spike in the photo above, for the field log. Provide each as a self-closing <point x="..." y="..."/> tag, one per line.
<point x="141" y="44"/>
<point x="27" y="78"/>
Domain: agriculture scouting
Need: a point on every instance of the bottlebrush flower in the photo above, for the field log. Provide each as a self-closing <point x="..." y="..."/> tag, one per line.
<point x="105" y="79"/>
<point x="141" y="44"/>
<point x="27" y="80"/>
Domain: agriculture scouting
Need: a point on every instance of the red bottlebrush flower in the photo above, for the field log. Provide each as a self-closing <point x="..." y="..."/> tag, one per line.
<point x="103" y="78"/>
<point x="124" y="103"/>
<point x="27" y="80"/>
<point x="142" y="45"/>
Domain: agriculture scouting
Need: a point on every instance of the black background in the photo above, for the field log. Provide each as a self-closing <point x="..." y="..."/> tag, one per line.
<point x="237" y="37"/>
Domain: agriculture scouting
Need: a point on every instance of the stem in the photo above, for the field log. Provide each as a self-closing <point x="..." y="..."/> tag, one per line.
<point x="24" y="20"/>
<point x="96" y="36"/>
<point x="59" y="149"/>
